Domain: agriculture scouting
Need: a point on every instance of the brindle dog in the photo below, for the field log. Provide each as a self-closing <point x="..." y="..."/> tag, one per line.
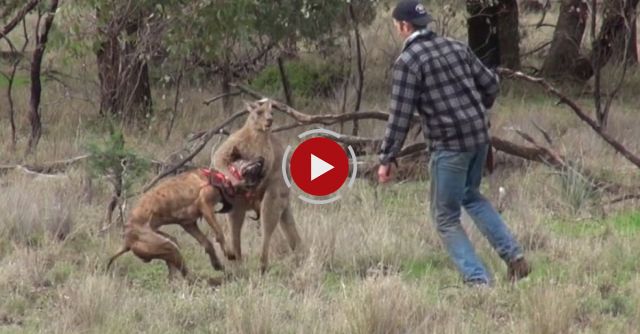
<point x="182" y="200"/>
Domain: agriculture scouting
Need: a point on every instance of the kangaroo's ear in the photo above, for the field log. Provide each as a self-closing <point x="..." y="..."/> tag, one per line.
<point x="266" y="103"/>
<point x="235" y="154"/>
<point x="250" y="106"/>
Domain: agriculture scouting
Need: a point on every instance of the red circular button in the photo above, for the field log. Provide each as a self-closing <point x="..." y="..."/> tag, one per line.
<point x="319" y="166"/>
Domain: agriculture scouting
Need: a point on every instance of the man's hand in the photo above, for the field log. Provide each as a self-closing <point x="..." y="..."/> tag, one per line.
<point x="384" y="173"/>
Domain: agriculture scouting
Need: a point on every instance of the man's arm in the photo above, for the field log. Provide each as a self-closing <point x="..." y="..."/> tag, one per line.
<point x="486" y="80"/>
<point x="404" y="94"/>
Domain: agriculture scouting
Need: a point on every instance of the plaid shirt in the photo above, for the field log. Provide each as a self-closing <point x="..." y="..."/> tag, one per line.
<point x="448" y="86"/>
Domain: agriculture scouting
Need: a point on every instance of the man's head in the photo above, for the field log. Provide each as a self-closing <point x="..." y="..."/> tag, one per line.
<point x="261" y="115"/>
<point x="409" y="16"/>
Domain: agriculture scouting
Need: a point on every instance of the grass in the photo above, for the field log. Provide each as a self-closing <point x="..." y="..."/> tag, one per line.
<point x="374" y="262"/>
<point x="376" y="271"/>
<point x="17" y="81"/>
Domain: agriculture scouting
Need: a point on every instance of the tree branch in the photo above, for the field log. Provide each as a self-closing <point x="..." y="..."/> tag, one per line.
<point x="306" y="119"/>
<point x="203" y="142"/>
<point x="29" y="6"/>
<point x="218" y="97"/>
<point x="577" y="110"/>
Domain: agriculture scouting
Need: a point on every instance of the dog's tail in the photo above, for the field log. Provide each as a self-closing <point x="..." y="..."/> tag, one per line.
<point x="120" y="252"/>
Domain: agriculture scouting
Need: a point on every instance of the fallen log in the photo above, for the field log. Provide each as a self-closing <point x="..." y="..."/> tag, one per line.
<point x="48" y="168"/>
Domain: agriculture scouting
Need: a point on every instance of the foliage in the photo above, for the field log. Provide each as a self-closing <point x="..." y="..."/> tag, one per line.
<point x="112" y="158"/>
<point x="307" y="78"/>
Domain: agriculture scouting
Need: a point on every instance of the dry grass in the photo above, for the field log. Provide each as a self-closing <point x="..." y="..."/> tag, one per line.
<point x="374" y="263"/>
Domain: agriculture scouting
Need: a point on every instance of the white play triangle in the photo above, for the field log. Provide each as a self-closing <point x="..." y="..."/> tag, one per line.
<point x="319" y="167"/>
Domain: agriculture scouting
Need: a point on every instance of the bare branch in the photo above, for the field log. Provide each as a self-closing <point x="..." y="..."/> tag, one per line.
<point x="544" y="13"/>
<point x="203" y="142"/>
<point x="285" y="82"/>
<point x="176" y="100"/>
<point x="218" y="97"/>
<point x="542" y="46"/>
<point x="305" y="119"/>
<point x="623" y="198"/>
<point x="29" y="6"/>
<point x="577" y="110"/>
<point x="545" y="134"/>
<point x="50" y="168"/>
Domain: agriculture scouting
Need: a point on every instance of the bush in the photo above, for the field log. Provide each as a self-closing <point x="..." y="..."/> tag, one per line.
<point x="112" y="158"/>
<point x="307" y="79"/>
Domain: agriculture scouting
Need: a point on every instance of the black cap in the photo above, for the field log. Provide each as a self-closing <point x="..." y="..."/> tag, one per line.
<point x="412" y="11"/>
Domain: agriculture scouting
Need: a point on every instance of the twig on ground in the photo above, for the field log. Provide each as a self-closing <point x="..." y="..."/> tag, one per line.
<point x="623" y="198"/>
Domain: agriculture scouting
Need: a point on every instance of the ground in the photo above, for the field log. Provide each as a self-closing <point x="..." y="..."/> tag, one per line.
<point x="375" y="263"/>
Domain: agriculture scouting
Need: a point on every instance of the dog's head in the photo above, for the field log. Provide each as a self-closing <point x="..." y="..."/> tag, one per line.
<point x="252" y="171"/>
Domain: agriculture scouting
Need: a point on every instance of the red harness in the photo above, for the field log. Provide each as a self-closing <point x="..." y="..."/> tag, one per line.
<point x="220" y="181"/>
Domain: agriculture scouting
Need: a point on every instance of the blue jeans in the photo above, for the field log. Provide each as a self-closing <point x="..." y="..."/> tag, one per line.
<point x="455" y="183"/>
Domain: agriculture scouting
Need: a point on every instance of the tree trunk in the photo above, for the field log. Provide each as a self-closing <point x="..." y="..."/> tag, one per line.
<point x="509" y="34"/>
<point x="125" y="91"/>
<point x="493" y="32"/>
<point x="483" y="39"/>
<point x="564" y="59"/>
<point x="618" y="32"/>
<point x="137" y="98"/>
<point x="225" y="85"/>
<point x="108" y="58"/>
<point x="36" y="85"/>
<point x="357" y="37"/>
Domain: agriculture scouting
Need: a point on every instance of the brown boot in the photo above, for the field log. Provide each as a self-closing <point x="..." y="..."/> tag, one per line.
<point x="518" y="269"/>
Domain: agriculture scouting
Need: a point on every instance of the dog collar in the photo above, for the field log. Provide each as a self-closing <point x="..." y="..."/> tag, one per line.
<point x="219" y="180"/>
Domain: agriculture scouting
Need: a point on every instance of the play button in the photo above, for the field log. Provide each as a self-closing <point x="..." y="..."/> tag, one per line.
<point x="319" y="166"/>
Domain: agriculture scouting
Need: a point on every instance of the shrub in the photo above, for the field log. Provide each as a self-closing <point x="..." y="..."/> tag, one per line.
<point x="307" y="78"/>
<point x="113" y="159"/>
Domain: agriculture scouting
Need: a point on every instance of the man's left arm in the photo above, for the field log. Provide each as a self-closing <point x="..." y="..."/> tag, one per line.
<point x="404" y="94"/>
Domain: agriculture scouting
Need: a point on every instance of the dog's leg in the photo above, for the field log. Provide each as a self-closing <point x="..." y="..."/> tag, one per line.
<point x="288" y="225"/>
<point x="151" y="245"/>
<point x="168" y="236"/>
<point x="195" y="232"/>
<point x="206" y="203"/>
<point x="270" y="213"/>
<point x="236" y="220"/>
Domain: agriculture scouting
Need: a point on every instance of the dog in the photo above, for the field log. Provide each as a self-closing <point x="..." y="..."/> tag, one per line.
<point x="183" y="199"/>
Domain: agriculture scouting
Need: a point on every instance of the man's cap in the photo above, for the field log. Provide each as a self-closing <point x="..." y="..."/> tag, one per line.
<point x="412" y="11"/>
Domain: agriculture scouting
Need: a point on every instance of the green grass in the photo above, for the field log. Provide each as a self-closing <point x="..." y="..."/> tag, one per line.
<point x="18" y="81"/>
<point x="626" y="223"/>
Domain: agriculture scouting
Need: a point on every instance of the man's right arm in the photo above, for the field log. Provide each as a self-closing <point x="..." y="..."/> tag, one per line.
<point x="486" y="80"/>
<point x="404" y="93"/>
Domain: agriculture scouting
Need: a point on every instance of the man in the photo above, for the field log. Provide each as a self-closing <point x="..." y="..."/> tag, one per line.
<point x="451" y="90"/>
